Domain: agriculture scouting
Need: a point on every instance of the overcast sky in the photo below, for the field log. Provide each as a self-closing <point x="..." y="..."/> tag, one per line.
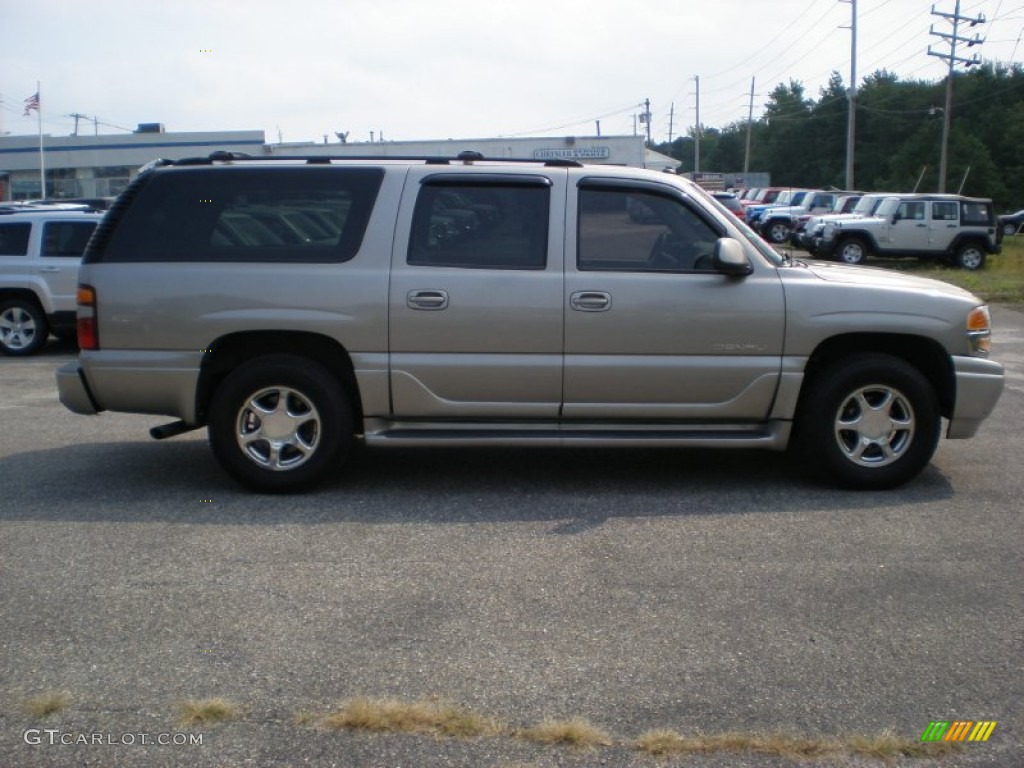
<point x="430" y="69"/>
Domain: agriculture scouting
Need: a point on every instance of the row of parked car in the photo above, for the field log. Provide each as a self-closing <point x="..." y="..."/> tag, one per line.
<point x="851" y="226"/>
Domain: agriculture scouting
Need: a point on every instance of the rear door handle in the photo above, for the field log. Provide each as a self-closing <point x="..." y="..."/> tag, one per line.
<point x="49" y="269"/>
<point x="590" y="301"/>
<point x="428" y="300"/>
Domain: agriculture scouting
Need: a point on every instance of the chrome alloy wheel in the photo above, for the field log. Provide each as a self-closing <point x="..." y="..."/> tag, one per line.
<point x="874" y="426"/>
<point x="17" y="328"/>
<point x="278" y="428"/>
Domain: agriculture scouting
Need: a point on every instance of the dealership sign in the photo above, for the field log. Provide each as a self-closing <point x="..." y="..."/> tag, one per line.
<point x="573" y="153"/>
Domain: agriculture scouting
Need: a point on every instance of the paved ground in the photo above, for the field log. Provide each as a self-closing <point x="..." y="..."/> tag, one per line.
<point x="703" y="592"/>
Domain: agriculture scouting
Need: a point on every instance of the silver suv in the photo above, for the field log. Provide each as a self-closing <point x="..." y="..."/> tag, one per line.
<point x="294" y="306"/>
<point x="40" y="250"/>
<point x="959" y="230"/>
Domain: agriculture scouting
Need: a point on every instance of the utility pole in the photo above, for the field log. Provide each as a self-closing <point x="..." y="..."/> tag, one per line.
<point x="952" y="60"/>
<point x="77" y="118"/>
<point x="671" y="119"/>
<point x="851" y="120"/>
<point x="647" y="119"/>
<point x="750" y="123"/>
<point x="696" y="143"/>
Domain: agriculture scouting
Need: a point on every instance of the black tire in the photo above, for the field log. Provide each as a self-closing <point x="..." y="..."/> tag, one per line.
<point x="969" y="256"/>
<point x="310" y="437"/>
<point x="851" y="250"/>
<point x="23" y="327"/>
<point x="776" y="232"/>
<point x="868" y="422"/>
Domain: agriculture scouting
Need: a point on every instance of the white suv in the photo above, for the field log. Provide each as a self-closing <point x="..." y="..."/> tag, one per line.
<point x="960" y="230"/>
<point x="40" y="251"/>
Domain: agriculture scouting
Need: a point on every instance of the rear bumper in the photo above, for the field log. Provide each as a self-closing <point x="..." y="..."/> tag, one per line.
<point x="74" y="392"/>
<point x="979" y="383"/>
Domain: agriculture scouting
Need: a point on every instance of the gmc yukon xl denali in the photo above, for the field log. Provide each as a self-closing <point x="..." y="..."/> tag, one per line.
<point x="295" y="306"/>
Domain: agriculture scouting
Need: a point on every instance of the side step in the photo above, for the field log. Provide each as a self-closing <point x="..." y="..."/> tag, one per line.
<point x="772" y="435"/>
<point x="173" y="429"/>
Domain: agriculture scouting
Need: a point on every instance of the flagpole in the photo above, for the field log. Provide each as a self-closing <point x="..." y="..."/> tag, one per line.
<point x="42" y="160"/>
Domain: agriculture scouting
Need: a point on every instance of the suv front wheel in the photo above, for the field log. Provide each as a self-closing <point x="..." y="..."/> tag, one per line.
<point x="777" y="231"/>
<point x="280" y="423"/>
<point x="870" y="422"/>
<point x="852" y="250"/>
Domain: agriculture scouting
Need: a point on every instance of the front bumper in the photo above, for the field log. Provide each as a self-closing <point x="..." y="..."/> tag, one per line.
<point x="979" y="382"/>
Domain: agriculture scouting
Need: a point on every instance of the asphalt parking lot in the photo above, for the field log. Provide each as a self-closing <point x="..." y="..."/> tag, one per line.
<point x="702" y="592"/>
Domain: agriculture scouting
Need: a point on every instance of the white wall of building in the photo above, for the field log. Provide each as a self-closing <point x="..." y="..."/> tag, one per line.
<point x="99" y="166"/>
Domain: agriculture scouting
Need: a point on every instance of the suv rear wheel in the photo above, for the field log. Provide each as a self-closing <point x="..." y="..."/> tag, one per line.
<point x="870" y="421"/>
<point x="280" y="423"/>
<point x="969" y="256"/>
<point x="23" y="327"/>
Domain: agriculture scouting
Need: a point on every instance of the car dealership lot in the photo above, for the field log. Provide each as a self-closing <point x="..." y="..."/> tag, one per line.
<point x="697" y="591"/>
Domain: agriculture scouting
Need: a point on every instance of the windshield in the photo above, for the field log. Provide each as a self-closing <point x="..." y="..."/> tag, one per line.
<point x="867" y="204"/>
<point x="773" y="256"/>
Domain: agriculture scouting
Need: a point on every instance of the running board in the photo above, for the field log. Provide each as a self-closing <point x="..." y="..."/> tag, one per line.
<point x="173" y="429"/>
<point x="773" y="435"/>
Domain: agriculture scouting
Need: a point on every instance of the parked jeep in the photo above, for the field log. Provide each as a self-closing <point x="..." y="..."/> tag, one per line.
<point x="810" y="236"/>
<point x="40" y="248"/>
<point x="776" y="222"/>
<point x="560" y="321"/>
<point x="960" y="230"/>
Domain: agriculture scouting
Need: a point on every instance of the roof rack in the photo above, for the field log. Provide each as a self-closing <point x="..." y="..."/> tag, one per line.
<point x="467" y="157"/>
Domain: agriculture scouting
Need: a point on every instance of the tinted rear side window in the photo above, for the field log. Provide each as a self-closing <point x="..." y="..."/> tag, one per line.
<point x="297" y="214"/>
<point x="14" y="239"/>
<point x="975" y="213"/>
<point x="481" y="226"/>
<point x="66" y="238"/>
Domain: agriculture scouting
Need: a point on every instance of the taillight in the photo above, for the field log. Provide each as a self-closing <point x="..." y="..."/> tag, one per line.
<point x="88" y="332"/>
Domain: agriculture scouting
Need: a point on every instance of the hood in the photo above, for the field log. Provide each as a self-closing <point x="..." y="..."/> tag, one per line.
<point x="883" y="278"/>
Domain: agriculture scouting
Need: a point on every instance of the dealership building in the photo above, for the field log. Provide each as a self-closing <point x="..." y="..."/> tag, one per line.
<point x="102" y="165"/>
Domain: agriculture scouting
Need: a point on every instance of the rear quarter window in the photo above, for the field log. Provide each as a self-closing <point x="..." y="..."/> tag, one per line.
<point x="295" y="214"/>
<point x="66" y="238"/>
<point x="978" y="214"/>
<point x="14" y="238"/>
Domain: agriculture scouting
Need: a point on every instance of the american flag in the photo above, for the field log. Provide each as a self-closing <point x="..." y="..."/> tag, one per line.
<point x="32" y="102"/>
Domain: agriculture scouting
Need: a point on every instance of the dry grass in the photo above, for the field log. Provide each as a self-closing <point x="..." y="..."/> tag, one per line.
<point x="430" y="717"/>
<point x="887" y="746"/>
<point x="576" y="733"/>
<point x="666" y="743"/>
<point x="304" y="719"/>
<point x="206" y="711"/>
<point x="47" y="704"/>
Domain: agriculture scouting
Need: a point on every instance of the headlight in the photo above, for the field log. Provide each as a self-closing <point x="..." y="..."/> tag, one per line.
<point x="979" y="331"/>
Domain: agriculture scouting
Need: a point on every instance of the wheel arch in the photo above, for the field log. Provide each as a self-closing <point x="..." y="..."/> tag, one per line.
<point x="969" y="238"/>
<point x="228" y="352"/>
<point x="864" y="236"/>
<point x="925" y="354"/>
<point x="26" y="294"/>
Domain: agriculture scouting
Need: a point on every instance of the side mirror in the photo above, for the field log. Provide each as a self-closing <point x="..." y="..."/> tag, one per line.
<point x="896" y="217"/>
<point x="730" y="258"/>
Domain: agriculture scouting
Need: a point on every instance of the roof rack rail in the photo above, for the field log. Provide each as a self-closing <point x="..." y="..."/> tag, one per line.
<point x="467" y="156"/>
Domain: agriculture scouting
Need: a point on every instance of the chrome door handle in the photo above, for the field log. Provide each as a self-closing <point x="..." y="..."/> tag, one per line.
<point x="429" y="300"/>
<point x="49" y="269"/>
<point x="590" y="301"/>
